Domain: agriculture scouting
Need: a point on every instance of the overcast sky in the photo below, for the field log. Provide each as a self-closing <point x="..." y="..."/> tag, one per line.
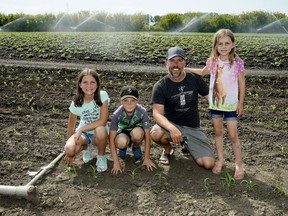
<point x="152" y="7"/>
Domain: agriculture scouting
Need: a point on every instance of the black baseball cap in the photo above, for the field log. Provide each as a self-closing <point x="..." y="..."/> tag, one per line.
<point x="175" y="51"/>
<point x="129" y="91"/>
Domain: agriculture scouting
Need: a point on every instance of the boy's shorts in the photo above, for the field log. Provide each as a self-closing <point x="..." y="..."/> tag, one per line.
<point x="226" y="115"/>
<point x="198" y="143"/>
<point x="128" y="133"/>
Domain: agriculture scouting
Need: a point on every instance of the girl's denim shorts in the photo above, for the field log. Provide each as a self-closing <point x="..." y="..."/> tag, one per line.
<point x="226" y="115"/>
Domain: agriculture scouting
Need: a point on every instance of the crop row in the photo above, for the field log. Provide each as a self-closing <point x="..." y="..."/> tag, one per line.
<point x="257" y="50"/>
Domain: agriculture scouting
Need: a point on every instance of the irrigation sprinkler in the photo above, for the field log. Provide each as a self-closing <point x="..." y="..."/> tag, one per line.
<point x="29" y="191"/>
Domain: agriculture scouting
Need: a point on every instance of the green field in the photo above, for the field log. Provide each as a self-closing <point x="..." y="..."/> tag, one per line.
<point x="259" y="51"/>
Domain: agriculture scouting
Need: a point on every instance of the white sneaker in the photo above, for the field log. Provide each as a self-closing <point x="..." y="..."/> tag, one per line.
<point x="87" y="155"/>
<point x="101" y="163"/>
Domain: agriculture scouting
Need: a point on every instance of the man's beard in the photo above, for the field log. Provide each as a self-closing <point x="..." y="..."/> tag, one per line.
<point x="177" y="75"/>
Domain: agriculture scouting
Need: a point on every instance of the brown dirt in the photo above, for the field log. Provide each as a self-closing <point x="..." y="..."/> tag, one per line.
<point x="34" y="111"/>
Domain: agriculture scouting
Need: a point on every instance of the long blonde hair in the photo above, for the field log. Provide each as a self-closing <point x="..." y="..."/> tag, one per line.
<point x="219" y="34"/>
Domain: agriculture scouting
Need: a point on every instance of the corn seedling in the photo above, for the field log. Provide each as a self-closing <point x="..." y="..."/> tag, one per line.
<point x="55" y="110"/>
<point x="249" y="184"/>
<point x="44" y="132"/>
<point x="283" y="150"/>
<point x="159" y="176"/>
<point x="228" y="180"/>
<point x="32" y="109"/>
<point x="19" y="108"/>
<point x="71" y="169"/>
<point x="16" y="133"/>
<point x="273" y="107"/>
<point x="279" y="188"/>
<point x="206" y="184"/>
<point x="9" y="164"/>
<point x="58" y="135"/>
<point x="132" y="173"/>
<point x="94" y="170"/>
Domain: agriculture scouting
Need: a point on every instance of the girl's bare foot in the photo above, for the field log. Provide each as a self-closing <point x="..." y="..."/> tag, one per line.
<point x="239" y="172"/>
<point x="218" y="167"/>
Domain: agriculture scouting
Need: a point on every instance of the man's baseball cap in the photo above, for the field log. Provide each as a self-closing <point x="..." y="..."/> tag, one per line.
<point x="129" y="91"/>
<point x="175" y="51"/>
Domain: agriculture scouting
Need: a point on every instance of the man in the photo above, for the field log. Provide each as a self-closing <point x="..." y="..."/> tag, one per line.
<point x="175" y="111"/>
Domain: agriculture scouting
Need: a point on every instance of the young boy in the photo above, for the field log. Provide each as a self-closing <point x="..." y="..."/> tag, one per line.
<point x="129" y="127"/>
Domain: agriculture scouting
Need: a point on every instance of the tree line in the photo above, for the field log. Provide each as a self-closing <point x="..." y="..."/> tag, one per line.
<point x="250" y="22"/>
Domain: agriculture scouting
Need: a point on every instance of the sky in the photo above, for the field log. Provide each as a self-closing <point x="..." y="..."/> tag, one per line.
<point x="152" y="7"/>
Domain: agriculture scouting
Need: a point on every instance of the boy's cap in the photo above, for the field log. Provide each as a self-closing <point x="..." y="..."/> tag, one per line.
<point x="129" y="91"/>
<point x="175" y="51"/>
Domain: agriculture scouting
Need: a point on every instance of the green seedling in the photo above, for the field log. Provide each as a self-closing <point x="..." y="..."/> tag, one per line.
<point x="277" y="185"/>
<point x="159" y="176"/>
<point x="16" y="133"/>
<point x="9" y="164"/>
<point x="71" y="169"/>
<point x="279" y="188"/>
<point x="282" y="150"/>
<point x="228" y="180"/>
<point x="249" y="184"/>
<point x="58" y="135"/>
<point x="55" y="110"/>
<point x="94" y="170"/>
<point x="19" y="108"/>
<point x="44" y="132"/>
<point x="273" y="107"/>
<point x="132" y="173"/>
<point x="206" y="183"/>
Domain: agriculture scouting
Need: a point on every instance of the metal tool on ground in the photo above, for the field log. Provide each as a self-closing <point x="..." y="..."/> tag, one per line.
<point x="29" y="191"/>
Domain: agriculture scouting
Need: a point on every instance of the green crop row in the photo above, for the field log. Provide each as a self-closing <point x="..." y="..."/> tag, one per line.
<point x="257" y="50"/>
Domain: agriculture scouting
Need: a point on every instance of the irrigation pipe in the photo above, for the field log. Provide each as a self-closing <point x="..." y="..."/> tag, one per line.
<point x="29" y="191"/>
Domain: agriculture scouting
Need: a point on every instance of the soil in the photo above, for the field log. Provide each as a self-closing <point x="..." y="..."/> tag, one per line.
<point x="35" y="97"/>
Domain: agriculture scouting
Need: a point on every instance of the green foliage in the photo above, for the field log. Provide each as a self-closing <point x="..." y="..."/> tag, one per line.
<point x="171" y="22"/>
<point x="71" y="170"/>
<point x="228" y="180"/>
<point x="86" y="21"/>
<point x="250" y="185"/>
<point x="206" y="183"/>
<point x="159" y="177"/>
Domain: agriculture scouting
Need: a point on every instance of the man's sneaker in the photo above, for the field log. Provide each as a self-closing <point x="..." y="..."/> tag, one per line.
<point x="101" y="163"/>
<point x="122" y="153"/>
<point x="137" y="154"/>
<point x="87" y="155"/>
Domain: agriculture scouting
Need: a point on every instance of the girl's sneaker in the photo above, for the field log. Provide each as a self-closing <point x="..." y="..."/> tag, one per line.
<point x="101" y="163"/>
<point x="87" y="155"/>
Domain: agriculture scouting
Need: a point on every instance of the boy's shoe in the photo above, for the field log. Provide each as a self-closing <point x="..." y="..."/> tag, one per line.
<point x="137" y="154"/>
<point x="87" y="155"/>
<point x="101" y="163"/>
<point x="122" y="153"/>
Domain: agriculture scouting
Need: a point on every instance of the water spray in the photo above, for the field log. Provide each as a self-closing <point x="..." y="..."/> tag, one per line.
<point x="89" y="18"/>
<point x="276" y="22"/>
<point x="10" y="23"/>
<point x="193" y="21"/>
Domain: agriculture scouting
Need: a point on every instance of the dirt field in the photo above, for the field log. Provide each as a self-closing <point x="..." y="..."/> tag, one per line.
<point x="34" y="114"/>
